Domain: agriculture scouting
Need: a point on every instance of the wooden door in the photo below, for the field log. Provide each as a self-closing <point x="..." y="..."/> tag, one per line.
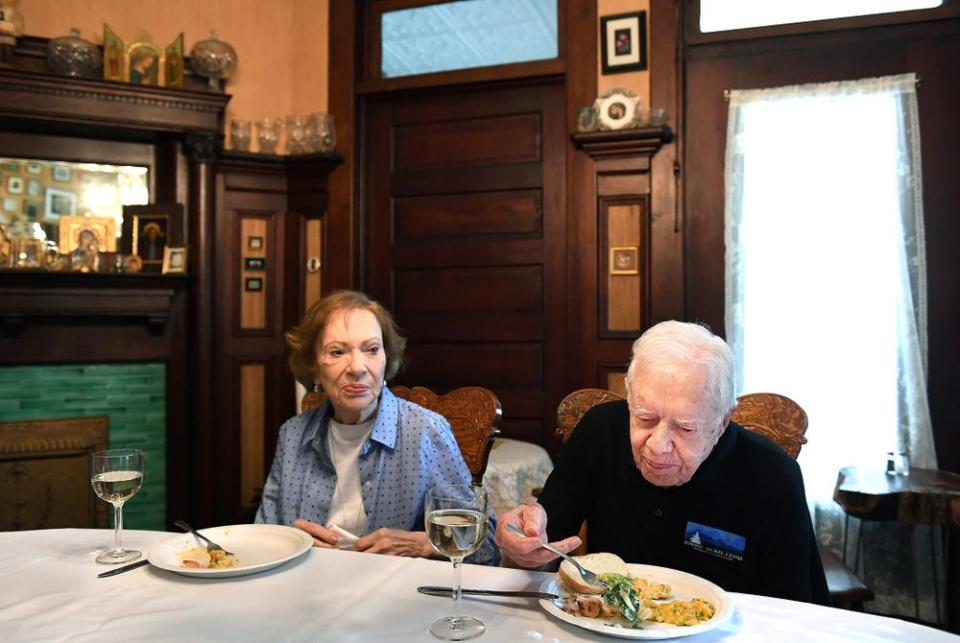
<point x="464" y="228"/>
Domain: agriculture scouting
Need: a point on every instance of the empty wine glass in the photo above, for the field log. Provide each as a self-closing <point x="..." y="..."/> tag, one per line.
<point x="456" y="522"/>
<point x="116" y="476"/>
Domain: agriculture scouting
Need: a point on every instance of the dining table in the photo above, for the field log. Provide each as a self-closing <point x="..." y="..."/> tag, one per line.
<point x="51" y="592"/>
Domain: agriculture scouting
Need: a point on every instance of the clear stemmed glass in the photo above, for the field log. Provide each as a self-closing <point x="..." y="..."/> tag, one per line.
<point x="116" y="475"/>
<point x="456" y="521"/>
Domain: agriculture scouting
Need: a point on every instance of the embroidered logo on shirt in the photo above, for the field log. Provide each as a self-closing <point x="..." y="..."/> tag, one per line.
<point x="715" y="542"/>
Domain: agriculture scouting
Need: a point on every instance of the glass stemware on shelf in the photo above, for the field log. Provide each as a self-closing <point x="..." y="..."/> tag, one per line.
<point x="116" y="476"/>
<point x="456" y="523"/>
<point x="268" y="135"/>
<point x="297" y="142"/>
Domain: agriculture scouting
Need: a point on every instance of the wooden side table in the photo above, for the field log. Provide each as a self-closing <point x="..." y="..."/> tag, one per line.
<point x="925" y="497"/>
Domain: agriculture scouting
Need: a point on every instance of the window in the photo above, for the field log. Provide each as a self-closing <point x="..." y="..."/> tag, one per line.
<point x="466" y="34"/>
<point x="725" y="15"/>
<point x="825" y="266"/>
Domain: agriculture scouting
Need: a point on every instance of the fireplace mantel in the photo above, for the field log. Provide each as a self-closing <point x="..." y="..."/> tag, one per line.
<point x="27" y="297"/>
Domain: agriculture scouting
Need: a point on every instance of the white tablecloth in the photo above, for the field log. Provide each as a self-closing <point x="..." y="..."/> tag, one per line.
<point x="514" y="470"/>
<point x="49" y="592"/>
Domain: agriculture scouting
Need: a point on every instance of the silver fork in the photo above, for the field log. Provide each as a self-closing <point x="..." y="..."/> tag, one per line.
<point x="211" y="546"/>
<point x="588" y="576"/>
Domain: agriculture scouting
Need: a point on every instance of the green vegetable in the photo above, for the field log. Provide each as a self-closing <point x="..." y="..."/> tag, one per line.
<point x="621" y="595"/>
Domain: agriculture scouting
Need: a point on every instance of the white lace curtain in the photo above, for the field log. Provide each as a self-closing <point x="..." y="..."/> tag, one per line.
<point x="825" y="269"/>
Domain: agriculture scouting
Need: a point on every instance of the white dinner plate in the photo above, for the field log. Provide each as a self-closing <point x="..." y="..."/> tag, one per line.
<point x="685" y="587"/>
<point x="257" y="548"/>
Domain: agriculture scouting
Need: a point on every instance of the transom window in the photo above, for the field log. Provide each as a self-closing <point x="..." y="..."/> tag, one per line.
<point x="466" y="34"/>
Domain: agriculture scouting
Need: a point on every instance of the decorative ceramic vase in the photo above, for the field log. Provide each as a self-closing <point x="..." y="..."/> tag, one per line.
<point x="73" y="56"/>
<point x="213" y="59"/>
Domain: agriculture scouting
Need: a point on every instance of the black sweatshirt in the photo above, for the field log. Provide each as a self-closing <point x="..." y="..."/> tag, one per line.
<point x="740" y="522"/>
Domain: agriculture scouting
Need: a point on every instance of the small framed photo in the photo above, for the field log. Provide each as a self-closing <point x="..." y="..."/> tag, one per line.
<point x="253" y="284"/>
<point x="10" y="203"/>
<point x="255" y="243"/>
<point x="59" y="203"/>
<point x="624" y="260"/>
<point x="149" y="229"/>
<point x="80" y="232"/>
<point x="254" y="263"/>
<point x="623" y="39"/>
<point x="144" y="61"/>
<point x="14" y="185"/>
<point x="61" y="173"/>
<point x="34" y="168"/>
<point x="33" y="187"/>
<point x="174" y="261"/>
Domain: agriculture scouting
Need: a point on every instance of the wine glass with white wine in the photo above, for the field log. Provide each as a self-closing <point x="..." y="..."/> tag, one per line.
<point x="456" y="521"/>
<point x="116" y="476"/>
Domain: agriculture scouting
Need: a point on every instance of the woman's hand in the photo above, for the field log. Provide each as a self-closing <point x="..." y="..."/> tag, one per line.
<point x="322" y="537"/>
<point x="395" y="542"/>
<point x="527" y="552"/>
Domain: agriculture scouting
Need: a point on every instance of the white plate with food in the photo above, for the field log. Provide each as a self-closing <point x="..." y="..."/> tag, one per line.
<point x="662" y="594"/>
<point x="255" y="548"/>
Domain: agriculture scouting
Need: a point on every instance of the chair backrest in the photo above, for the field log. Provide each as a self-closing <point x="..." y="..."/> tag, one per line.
<point x="773" y="416"/>
<point x="474" y="415"/>
<point x="472" y="411"/>
<point x="573" y="407"/>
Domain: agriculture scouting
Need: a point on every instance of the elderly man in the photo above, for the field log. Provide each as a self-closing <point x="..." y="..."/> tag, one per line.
<point x="664" y="478"/>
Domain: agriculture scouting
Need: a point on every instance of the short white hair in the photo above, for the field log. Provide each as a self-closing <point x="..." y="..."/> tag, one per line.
<point x="673" y="341"/>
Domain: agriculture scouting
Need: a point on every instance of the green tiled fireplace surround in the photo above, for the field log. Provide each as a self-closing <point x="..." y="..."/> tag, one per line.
<point x="132" y="395"/>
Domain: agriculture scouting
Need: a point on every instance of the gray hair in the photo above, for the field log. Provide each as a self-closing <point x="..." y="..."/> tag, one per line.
<point x="672" y="341"/>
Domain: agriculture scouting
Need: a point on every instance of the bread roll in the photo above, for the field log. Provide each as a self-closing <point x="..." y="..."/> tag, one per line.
<point x="599" y="563"/>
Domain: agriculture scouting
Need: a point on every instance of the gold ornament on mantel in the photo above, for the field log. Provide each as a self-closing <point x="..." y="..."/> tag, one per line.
<point x="142" y="61"/>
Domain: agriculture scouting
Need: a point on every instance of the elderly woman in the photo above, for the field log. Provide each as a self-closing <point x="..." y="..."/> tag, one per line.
<point x="361" y="463"/>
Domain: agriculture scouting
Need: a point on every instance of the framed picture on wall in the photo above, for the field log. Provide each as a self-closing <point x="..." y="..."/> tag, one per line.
<point x="149" y="229"/>
<point x="624" y="260"/>
<point x="623" y="41"/>
<point x="59" y="203"/>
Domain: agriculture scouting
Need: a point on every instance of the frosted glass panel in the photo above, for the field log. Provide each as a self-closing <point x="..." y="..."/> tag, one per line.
<point x="723" y="15"/>
<point x="467" y="34"/>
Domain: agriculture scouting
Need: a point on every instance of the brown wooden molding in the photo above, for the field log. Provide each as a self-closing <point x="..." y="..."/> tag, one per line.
<point x="66" y="297"/>
<point x="29" y="94"/>
<point x="644" y="141"/>
<point x="55" y="436"/>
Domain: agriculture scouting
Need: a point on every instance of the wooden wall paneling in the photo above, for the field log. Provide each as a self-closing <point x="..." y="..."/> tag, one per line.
<point x="255" y="237"/>
<point x="666" y="206"/>
<point x="581" y="187"/>
<point x="313" y="275"/>
<point x="252" y="419"/>
<point x="342" y="229"/>
<point x="252" y="202"/>
<point x="623" y="292"/>
<point x="613" y="375"/>
<point x="621" y="216"/>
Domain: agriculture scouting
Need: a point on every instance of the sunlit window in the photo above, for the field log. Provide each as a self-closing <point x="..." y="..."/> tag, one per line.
<point x="825" y="266"/>
<point x="724" y="15"/>
<point x="467" y="34"/>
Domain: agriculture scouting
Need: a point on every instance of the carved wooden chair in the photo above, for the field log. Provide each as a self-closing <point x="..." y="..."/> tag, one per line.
<point x="472" y="411"/>
<point x="474" y="414"/>
<point x="774" y="416"/>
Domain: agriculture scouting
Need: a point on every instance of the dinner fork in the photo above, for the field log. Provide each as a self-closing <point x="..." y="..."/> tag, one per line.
<point x="211" y="546"/>
<point x="588" y="576"/>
